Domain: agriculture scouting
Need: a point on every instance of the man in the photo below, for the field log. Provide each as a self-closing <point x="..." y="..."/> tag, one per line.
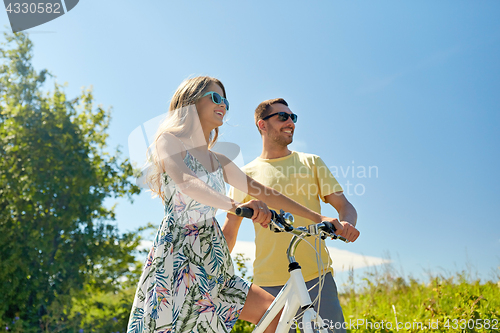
<point x="305" y="178"/>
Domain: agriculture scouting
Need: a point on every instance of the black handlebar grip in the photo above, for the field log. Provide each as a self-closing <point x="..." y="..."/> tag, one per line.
<point x="330" y="225"/>
<point x="244" y="212"/>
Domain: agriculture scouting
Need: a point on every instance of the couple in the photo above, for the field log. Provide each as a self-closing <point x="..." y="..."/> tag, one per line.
<point x="188" y="283"/>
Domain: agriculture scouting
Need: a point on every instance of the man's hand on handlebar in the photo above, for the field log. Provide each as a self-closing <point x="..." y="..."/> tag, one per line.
<point x="348" y="231"/>
<point x="336" y="223"/>
<point x="261" y="213"/>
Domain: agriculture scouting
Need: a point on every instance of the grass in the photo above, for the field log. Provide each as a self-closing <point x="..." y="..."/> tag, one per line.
<point x="386" y="302"/>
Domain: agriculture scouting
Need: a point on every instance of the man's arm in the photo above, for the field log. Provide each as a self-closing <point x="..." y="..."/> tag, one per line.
<point x="230" y="229"/>
<point x="347" y="214"/>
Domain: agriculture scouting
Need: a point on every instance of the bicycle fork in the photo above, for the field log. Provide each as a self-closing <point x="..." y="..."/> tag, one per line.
<point x="311" y="321"/>
<point x="292" y="297"/>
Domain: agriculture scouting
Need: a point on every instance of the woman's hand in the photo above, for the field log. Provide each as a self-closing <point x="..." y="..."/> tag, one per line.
<point x="261" y="213"/>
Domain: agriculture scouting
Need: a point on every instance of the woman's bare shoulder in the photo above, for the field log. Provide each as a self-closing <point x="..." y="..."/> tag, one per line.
<point x="222" y="158"/>
<point x="169" y="144"/>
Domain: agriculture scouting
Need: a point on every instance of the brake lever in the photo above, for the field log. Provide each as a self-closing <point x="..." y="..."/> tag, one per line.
<point x="286" y="219"/>
<point x="340" y="238"/>
<point x="277" y="224"/>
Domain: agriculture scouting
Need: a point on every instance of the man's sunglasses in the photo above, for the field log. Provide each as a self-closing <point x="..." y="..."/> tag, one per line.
<point x="218" y="99"/>
<point x="283" y="116"/>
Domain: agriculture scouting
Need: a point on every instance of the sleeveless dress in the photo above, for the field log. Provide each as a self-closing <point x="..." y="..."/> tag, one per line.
<point x="188" y="283"/>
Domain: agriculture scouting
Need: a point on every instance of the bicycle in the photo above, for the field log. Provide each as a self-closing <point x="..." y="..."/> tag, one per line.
<point x="294" y="294"/>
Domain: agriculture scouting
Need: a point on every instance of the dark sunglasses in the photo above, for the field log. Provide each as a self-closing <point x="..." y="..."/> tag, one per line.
<point x="217" y="99"/>
<point x="283" y="116"/>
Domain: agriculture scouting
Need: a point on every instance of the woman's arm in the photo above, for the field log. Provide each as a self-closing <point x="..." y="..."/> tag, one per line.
<point x="171" y="153"/>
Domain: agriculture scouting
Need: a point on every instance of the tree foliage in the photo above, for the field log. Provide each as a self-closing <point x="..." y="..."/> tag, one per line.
<point x="57" y="238"/>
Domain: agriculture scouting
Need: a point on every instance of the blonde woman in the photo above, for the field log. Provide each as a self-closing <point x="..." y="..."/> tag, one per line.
<point x="188" y="283"/>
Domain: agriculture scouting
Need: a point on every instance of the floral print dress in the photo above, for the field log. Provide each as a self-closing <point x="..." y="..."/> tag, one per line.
<point x="188" y="283"/>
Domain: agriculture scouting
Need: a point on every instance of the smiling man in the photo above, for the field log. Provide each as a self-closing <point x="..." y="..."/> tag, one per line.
<point x="306" y="179"/>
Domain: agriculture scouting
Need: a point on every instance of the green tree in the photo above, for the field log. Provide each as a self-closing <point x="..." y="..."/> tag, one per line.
<point x="57" y="239"/>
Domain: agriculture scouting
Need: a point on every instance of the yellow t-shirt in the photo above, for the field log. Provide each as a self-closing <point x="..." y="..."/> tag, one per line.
<point x="304" y="178"/>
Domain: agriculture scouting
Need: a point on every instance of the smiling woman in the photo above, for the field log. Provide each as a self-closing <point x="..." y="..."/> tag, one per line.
<point x="188" y="283"/>
<point x="188" y="270"/>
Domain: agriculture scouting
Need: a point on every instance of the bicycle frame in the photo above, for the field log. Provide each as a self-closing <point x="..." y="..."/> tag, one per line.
<point x="294" y="294"/>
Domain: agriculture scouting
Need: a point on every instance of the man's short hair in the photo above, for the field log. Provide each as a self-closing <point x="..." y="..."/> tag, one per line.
<point x="264" y="109"/>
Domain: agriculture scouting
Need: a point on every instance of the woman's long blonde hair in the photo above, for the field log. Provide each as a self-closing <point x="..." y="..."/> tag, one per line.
<point x="178" y="123"/>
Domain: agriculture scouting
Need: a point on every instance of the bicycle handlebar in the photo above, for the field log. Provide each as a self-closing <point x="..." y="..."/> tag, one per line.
<point x="283" y="223"/>
<point x="245" y="212"/>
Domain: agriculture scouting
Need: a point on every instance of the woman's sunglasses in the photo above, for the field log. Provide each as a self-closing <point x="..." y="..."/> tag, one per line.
<point x="283" y="116"/>
<point x="218" y="99"/>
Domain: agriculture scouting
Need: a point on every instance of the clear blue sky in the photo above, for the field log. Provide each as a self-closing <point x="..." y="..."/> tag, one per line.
<point x="409" y="87"/>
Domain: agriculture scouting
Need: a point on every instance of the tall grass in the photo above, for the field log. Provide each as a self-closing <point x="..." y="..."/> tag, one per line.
<point x="382" y="301"/>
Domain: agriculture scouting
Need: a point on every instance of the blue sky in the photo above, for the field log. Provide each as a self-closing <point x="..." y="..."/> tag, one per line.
<point x="410" y="88"/>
